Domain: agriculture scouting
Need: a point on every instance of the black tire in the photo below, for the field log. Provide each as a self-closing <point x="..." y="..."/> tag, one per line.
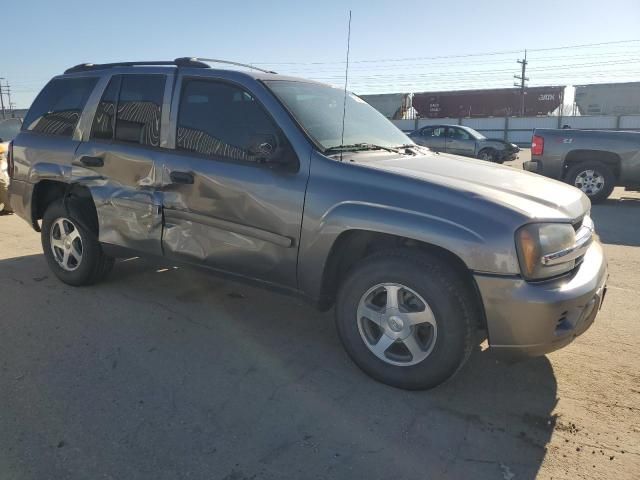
<point x="604" y="171"/>
<point x="448" y="297"/>
<point x="95" y="265"/>
<point x="488" y="155"/>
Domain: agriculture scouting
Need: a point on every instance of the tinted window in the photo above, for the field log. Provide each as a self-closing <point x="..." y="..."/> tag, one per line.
<point x="221" y="120"/>
<point x="139" y="109"/>
<point x="58" y="107"/>
<point x="105" y="120"/>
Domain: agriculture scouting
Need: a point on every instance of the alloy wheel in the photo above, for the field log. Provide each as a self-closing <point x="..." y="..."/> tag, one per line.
<point x="66" y="244"/>
<point x="591" y="182"/>
<point x="396" y="324"/>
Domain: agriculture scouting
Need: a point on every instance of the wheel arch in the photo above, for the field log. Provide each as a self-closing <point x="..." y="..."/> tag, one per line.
<point x="46" y="192"/>
<point x="604" y="157"/>
<point x="352" y="246"/>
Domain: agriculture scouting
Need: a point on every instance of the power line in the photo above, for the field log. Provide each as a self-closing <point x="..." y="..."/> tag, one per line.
<point x="619" y="57"/>
<point x="503" y="52"/>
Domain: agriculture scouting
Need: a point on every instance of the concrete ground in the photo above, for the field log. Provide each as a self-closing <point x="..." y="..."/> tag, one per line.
<point x="170" y="373"/>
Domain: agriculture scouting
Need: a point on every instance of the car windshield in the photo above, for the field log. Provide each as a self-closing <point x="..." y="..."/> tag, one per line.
<point x="474" y="133"/>
<point x="318" y="108"/>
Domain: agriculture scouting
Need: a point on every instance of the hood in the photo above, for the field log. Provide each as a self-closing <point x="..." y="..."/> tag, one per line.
<point x="533" y="195"/>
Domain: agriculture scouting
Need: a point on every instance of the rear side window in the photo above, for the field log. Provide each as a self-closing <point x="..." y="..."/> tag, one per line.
<point x="104" y="122"/>
<point x="58" y="107"/>
<point x="139" y="109"/>
<point x="221" y="121"/>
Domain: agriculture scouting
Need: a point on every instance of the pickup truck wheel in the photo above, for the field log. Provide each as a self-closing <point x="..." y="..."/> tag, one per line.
<point x="71" y="249"/>
<point x="405" y="319"/>
<point x="595" y="179"/>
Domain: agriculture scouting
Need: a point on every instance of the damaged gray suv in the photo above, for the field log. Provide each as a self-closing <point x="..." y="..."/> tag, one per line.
<point x="259" y="176"/>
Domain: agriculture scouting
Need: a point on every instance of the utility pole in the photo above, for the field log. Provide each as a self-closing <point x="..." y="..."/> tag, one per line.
<point x="523" y="79"/>
<point x="10" y="103"/>
<point x="2" y="99"/>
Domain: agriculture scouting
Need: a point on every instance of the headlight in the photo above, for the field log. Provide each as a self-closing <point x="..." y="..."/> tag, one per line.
<point x="536" y="241"/>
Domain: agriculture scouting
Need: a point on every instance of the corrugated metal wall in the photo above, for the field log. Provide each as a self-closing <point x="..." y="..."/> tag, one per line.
<point x="630" y="123"/>
<point x="520" y="129"/>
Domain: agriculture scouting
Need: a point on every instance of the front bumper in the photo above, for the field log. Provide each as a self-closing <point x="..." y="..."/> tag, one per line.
<point x="508" y="155"/>
<point x="530" y="319"/>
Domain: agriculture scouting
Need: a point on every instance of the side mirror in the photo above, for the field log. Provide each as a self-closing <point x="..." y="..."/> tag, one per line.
<point x="268" y="150"/>
<point x="263" y="147"/>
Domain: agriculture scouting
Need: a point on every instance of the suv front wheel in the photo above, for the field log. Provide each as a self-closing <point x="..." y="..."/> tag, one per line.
<point x="72" y="250"/>
<point x="405" y="318"/>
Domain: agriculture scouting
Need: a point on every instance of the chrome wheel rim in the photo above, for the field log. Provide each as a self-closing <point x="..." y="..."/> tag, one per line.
<point x="66" y="244"/>
<point x="396" y="324"/>
<point x="485" y="156"/>
<point x="591" y="182"/>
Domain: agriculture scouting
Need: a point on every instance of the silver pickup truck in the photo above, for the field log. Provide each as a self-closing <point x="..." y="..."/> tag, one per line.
<point x="595" y="161"/>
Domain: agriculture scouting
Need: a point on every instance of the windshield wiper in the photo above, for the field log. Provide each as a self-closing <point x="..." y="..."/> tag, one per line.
<point x="359" y="147"/>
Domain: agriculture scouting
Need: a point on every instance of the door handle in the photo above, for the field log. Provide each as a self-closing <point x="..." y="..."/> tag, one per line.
<point x="181" y="177"/>
<point x="92" y="161"/>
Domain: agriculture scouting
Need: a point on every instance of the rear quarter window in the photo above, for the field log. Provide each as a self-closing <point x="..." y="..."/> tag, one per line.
<point x="57" y="109"/>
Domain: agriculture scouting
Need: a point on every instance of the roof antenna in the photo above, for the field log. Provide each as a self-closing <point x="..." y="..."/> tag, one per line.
<point x="346" y="77"/>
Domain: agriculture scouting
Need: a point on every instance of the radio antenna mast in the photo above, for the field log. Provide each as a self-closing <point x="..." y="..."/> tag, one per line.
<point x="346" y="78"/>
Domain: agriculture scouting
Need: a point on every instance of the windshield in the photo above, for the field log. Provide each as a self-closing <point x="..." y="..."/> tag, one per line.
<point x="318" y="108"/>
<point x="474" y="133"/>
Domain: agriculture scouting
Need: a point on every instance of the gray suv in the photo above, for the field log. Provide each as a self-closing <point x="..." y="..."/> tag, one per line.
<point x="253" y="175"/>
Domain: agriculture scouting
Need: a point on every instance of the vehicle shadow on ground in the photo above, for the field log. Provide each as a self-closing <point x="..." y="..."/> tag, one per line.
<point x="617" y="221"/>
<point x="163" y="372"/>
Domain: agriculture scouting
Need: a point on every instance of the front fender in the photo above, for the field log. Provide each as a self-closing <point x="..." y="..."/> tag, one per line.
<point x="469" y="245"/>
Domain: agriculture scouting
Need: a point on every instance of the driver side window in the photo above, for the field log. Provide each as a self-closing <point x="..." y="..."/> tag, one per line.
<point x="220" y="120"/>
<point x="433" y="132"/>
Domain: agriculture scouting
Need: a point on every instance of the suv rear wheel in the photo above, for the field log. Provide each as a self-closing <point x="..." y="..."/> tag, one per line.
<point x="405" y="319"/>
<point x="595" y="179"/>
<point x="72" y="250"/>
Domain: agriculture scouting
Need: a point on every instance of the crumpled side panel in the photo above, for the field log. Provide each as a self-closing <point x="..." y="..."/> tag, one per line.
<point x="220" y="248"/>
<point x="129" y="218"/>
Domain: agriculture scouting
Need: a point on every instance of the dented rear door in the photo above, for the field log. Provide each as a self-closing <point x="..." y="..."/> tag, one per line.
<point x="118" y="161"/>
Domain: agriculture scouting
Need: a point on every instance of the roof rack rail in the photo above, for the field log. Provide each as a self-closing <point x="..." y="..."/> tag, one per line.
<point x="226" y="62"/>
<point x="178" y="62"/>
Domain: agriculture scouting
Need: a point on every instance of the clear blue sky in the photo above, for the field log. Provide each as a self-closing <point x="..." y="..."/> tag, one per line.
<point x="42" y="38"/>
